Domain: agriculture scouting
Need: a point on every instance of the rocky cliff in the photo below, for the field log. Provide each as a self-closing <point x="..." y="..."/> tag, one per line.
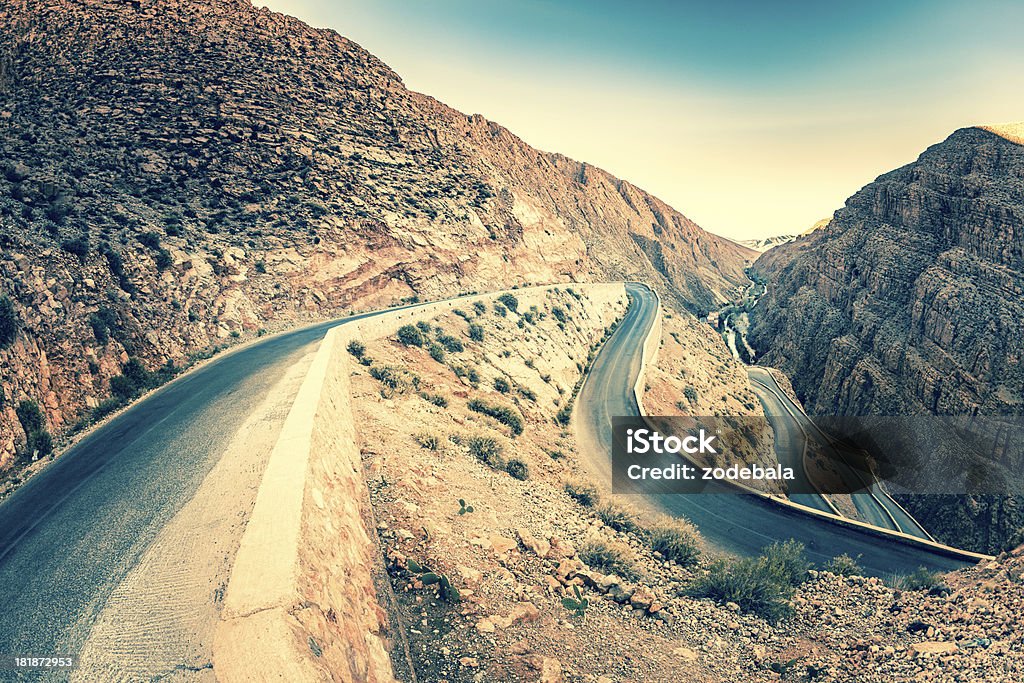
<point x="909" y="302"/>
<point x="178" y="173"/>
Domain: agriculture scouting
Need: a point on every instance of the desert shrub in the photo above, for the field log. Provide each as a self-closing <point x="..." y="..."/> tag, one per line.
<point x="501" y="384"/>
<point x="79" y="246"/>
<point x="437" y="352"/>
<point x="509" y="302"/>
<point x="529" y="316"/>
<point x="564" y="415"/>
<point x="437" y="399"/>
<point x="788" y="561"/>
<point x="431" y="442"/>
<point x="451" y="344"/>
<point x="479" y="308"/>
<point x="260" y="266"/>
<point x="410" y="335"/>
<point x="8" y="323"/>
<point x="843" y="565"/>
<point x="163" y="259"/>
<point x="559" y="314"/>
<point x="476" y="332"/>
<point x="486" y="450"/>
<point x="748" y="583"/>
<point x="395" y="380"/>
<point x="33" y="422"/>
<point x="584" y="494"/>
<point x="676" y="540"/>
<point x="105" y="408"/>
<point x="461" y="313"/>
<point x="473" y="376"/>
<point x="518" y="469"/>
<point x="617" y="518"/>
<point x="423" y="327"/>
<point x="608" y="558"/>
<point x="918" y="580"/>
<point x="503" y="414"/>
<point x="500" y="310"/>
<point x="150" y="240"/>
<point x="760" y="585"/>
<point x="356" y="348"/>
<point x="691" y="394"/>
<point x="30" y="416"/>
<point x="526" y="393"/>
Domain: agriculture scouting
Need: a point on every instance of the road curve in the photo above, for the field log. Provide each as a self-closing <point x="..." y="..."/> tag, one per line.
<point x="71" y="534"/>
<point x="875" y="505"/>
<point x="737" y="523"/>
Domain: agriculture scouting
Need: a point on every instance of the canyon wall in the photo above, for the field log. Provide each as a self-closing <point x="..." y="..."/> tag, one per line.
<point x="909" y="302"/>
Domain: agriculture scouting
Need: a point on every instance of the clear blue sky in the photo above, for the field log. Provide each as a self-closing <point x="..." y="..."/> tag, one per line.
<point x="753" y="118"/>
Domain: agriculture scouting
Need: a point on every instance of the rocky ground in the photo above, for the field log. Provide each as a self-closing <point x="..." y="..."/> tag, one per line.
<point x="514" y="547"/>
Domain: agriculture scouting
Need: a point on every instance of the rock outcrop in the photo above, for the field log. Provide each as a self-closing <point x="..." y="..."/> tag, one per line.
<point x="909" y="302"/>
<point x="177" y="173"/>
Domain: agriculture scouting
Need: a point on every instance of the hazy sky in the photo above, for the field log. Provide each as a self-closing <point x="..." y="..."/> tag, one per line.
<point x="753" y="118"/>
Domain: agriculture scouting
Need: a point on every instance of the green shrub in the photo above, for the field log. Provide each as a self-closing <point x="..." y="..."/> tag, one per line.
<point x="395" y="380"/>
<point x="608" y="558"/>
<point x="584" y="494"/>
<point x="788" y="561"/>
<point x="431" y="442"/>
<point x="437" y="399"/>
<point x="509" y="302"/>
<point x="691" y="394"/>
<point x="760" y="585"/>
<point x="79" y="246"/>
<point x="30" y="416"/>
<point x="37" y="439"/>
<point x="410" y="335"/>
<point x="564" y="415"/>
<point x="518" y="469"/>
<point x="503" y="414"/>
<point x="437" y="352"/>
<point x="676" y="540"/>
<point x="919" y="580"/>
<point x="479" y="308"/>
<point x="500" y="310"/>
<point x="150" y="240"/>
<point x="559" y="314"/>
<point x="617" y="518"/>
<point x="501" y="384"/>
<point x="528" y="394"/>
<point x="163" y="260"/>
<point x="356" y="348"/>
<point x="476" y="332"/>
<point x="486" y="450"/>
<point x="843" y="565"/>
<point x="423" y="327"/>
<point x="8" y="323"/>
<point x="451" y="344"/>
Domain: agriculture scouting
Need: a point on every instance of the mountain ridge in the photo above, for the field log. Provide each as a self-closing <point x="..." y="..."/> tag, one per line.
<point x="177" y="174"/>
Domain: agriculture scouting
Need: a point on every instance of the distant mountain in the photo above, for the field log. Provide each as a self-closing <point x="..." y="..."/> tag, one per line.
<point x="174" y="174"/>
<point x="910" y="301"/>
<point x="764" y="244"/>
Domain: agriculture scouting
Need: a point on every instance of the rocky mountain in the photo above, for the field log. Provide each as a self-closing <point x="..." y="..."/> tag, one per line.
<point x="765" y="243"/>
<point x="909" y="302"/>
<point x="178" y="173"/>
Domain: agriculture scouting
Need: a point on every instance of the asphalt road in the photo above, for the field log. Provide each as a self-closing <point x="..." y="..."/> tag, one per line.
<point x="874" y="505"/>
<point x="72" y="533"/>
<point x="737" y="523"/>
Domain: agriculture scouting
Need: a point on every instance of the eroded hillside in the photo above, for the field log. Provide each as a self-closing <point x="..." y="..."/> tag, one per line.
<point x="909" y="302"/>
<point x="179" y="173"/>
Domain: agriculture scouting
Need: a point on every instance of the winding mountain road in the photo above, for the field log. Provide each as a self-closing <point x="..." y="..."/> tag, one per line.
<point x="738" y="523"/>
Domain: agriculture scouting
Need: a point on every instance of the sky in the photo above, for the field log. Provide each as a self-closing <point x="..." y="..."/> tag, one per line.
<point x="753" y="118"/>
